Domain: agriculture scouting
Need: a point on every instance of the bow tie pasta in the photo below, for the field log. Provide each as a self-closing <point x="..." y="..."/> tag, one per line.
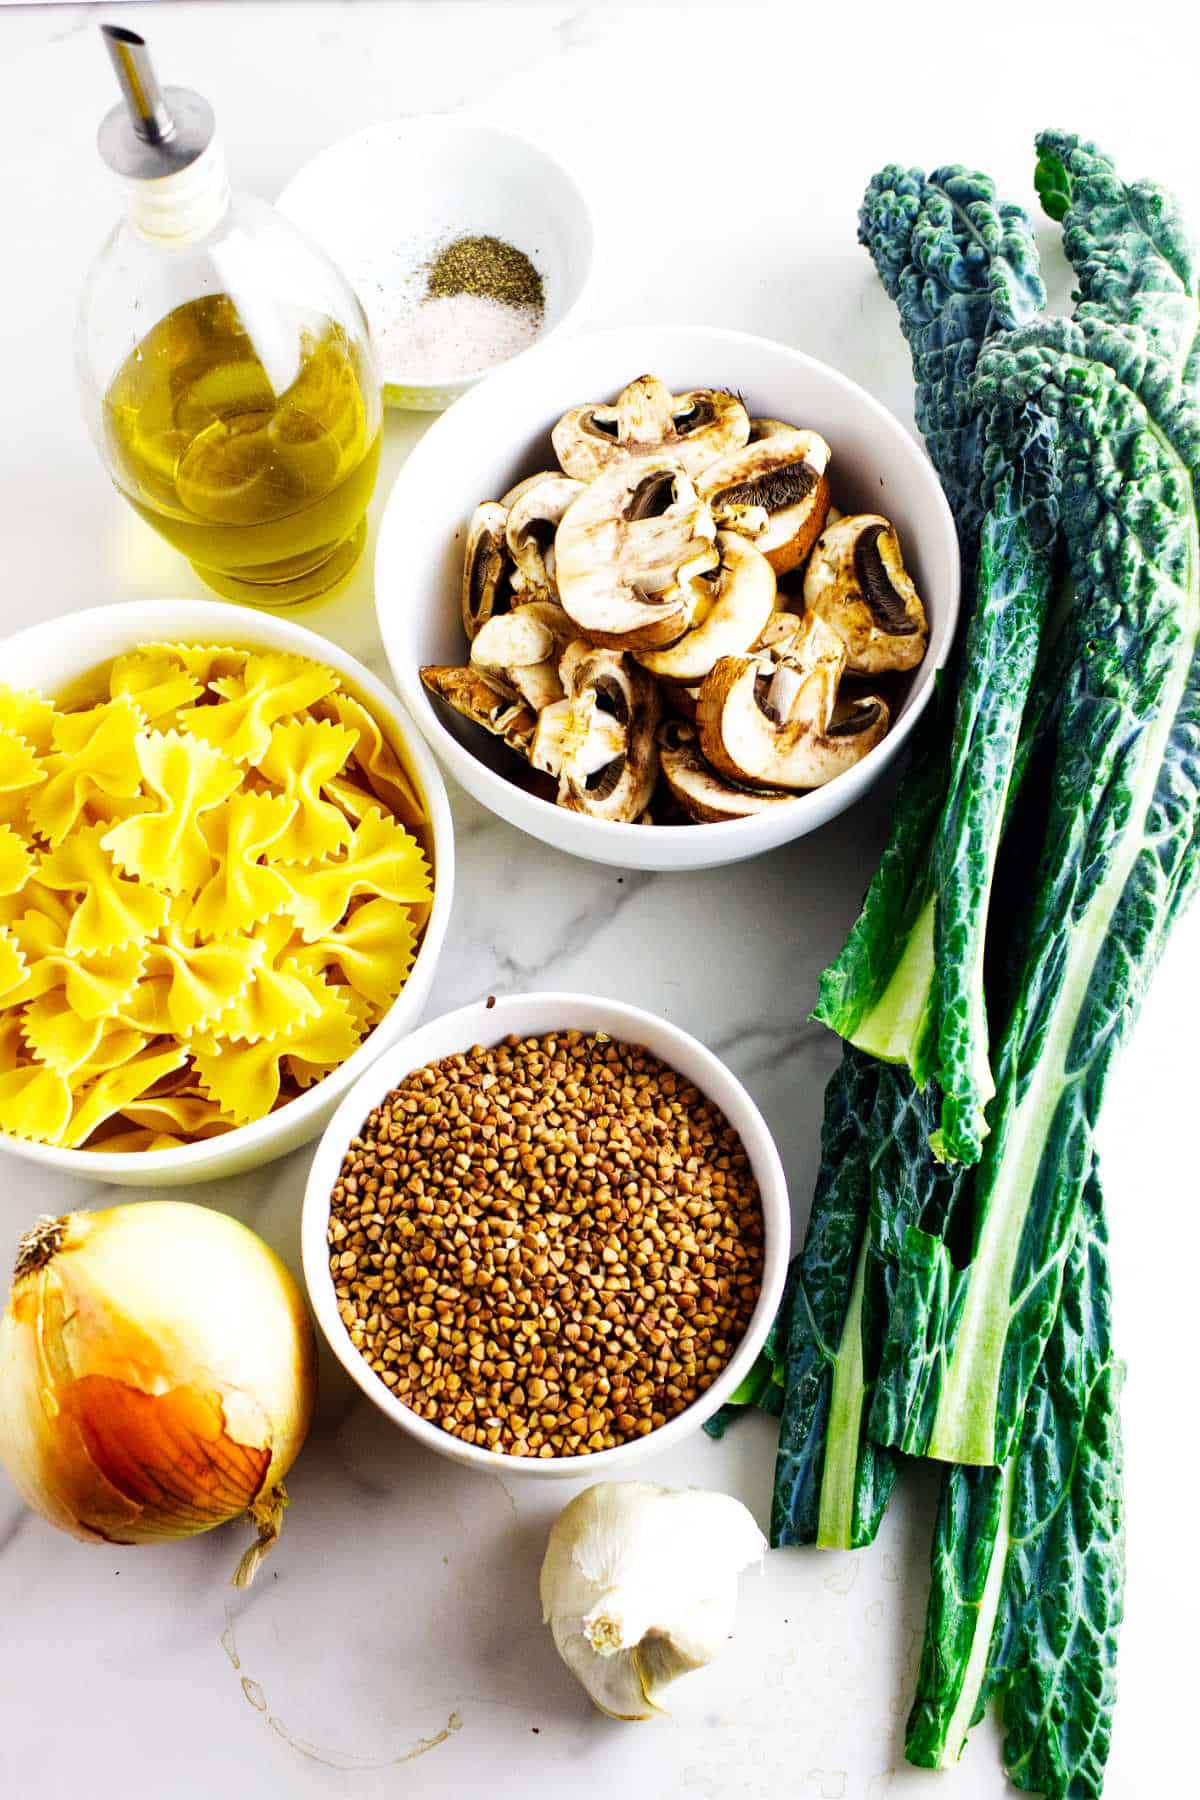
<point x="213" y="882"/>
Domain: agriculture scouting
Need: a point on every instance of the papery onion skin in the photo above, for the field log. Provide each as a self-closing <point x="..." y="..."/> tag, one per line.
<point x="157" y="1372"/>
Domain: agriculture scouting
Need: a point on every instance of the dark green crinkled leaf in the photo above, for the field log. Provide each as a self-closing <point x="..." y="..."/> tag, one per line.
<point x="823" y="1394"/>
<point x="926" y="1292"/>
<point x="900" y="889"/>
<point x="877" y="1177"/>
<point x="1028" y="1563"/>
<point x="908" y="984"/>
<point x="960" y="267"/>
<point x="1119" y="855"/>
<point x="1013" y="588"/>
<point x="1053" y="185"/>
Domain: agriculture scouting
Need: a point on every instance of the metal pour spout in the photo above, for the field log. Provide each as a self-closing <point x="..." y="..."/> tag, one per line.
<point x="148" y="111"/>
<point x="156" y="131"/>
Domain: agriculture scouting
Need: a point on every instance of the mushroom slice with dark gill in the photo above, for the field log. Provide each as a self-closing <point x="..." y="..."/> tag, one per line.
<point x="487" y="567"/>
<point x="487" y="701"/>
<point x="534" y="513"/>
<point x="599" y="740"/>
<point x="705" y="796"/>
<point x="732" y="604"/>
<point x="627" y="551"/>
<point x="523" y="647"/>
<point x="648" y="420"/>
<point x="856" y="581"/>
<point x="779" y="722"/>
<point x="775" y="490"/>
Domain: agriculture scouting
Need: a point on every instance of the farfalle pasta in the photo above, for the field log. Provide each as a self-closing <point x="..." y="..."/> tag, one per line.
<point x="213" y="883"/>
<point x="302" y="758"/>
<point x="243" y="887"/>
<point x="16" y="861"/>
<point x="114" y="910"/>
<point x="94" y="756"/>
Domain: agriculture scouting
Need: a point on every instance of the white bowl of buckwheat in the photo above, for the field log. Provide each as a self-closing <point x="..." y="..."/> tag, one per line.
<point x="547" y="1233"/>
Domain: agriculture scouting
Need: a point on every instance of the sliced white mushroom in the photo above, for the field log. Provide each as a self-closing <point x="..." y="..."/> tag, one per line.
<point x="575" y="740"/>
<point x="533" y="518"/>
<point x="648" y="420"/>
<point x="515" y="640"/>
<point x="856" y="581"/>
<point x="733" y="603"/>
<point x="599" y="739"/>
<point x="784" y="727"/>
<point x="522" y="487"/>
<point x="627" y="552"/>
<point x="523" y="647"/>
<point x="703" y="794"/>
<point x="778" y="635"/>
<point x="774" y="489"/>
<point x="487" y="567"/>
<point x="487" y="701"/>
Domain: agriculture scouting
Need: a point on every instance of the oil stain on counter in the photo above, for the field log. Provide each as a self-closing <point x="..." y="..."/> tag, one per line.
<point x="332" y="1759"/>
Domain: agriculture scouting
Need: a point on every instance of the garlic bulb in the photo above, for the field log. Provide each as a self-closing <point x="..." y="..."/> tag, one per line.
<point x="639" y="1585"/>
<point x="157" y="1375"/>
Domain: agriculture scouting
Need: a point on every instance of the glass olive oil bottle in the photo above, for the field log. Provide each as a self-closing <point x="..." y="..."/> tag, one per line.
<point x="259" y="490"/>
<point x="226" y="366"/>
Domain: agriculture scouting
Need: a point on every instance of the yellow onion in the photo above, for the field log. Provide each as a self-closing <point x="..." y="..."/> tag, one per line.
<point x="157" y="1375"/>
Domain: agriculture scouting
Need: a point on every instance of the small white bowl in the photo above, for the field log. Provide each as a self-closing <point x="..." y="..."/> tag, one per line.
<point x="530" y="1015"/>
<point x="390" y="196"/>
<point x="500" y="433"/>
<point x="52" y="656"/>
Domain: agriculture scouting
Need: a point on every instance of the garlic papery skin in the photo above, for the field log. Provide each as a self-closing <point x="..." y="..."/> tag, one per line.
<point x="639" y="1586"/>
<point x="157" y="1375"/>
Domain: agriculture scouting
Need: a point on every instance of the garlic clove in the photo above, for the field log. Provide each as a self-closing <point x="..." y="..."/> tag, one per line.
<point x="660" y="1660"/>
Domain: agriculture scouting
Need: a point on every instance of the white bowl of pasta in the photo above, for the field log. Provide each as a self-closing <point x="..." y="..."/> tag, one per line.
<point x="226" y="870"/>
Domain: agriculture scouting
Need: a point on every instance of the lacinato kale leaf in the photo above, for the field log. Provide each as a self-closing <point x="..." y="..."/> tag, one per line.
<point x="831" y="1486"/>
<point x="908" y="985"/>
<point x="1028" y="1563"/>
<point x="1013" y="590"/>
<point x="959" y="1312"/>
<point x="961" y="267"/>
<point x="1119" y="852"/>
<point x="1053" y="185"/>
<point x="877" y="1178"/>
<point x="894" y="928"/>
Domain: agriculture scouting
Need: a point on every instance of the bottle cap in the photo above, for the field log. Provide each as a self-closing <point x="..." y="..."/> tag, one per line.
<point x="154" y="131"/>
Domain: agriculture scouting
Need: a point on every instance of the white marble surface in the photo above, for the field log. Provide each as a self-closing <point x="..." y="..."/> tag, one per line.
<point x="393" y="1644"/>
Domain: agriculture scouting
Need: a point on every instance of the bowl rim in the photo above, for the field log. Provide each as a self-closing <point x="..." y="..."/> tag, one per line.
<point x="487" y="1022"/>
<point x="236" y="625"/>
<point x="512" y="802"/>
<point x="416" y="126"/>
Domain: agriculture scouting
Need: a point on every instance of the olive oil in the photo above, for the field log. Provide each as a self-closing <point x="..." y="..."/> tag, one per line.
<point x="265" y="493"/>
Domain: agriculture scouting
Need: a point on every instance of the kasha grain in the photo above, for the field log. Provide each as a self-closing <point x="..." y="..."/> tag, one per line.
<point x="549" y="1246"/>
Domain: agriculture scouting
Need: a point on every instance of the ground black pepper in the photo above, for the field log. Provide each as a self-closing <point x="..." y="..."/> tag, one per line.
<point x="491" y="270"/>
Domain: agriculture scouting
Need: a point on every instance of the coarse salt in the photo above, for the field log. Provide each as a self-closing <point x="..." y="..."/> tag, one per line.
<point x="453" y="336"/>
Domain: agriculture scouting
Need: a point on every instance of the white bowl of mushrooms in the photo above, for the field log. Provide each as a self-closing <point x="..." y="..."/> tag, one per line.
<point x="672" y="619"/>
